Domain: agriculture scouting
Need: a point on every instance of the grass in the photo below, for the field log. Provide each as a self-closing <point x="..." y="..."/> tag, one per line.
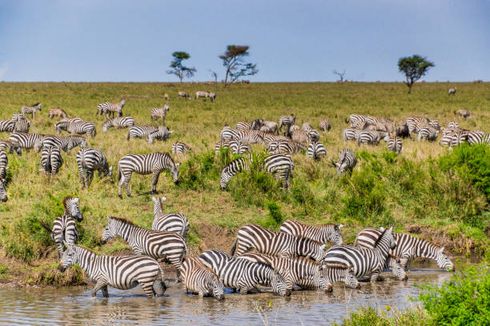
<point x="412" y="189"/>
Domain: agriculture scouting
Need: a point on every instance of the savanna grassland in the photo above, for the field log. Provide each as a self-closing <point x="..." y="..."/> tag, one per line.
<point x="437" y="193"/>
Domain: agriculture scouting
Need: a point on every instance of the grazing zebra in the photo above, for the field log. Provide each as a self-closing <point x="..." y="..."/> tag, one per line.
<point x="162" y="133"/>
<point x="465" y="114"/>
<point x="325" y="125"/>
<point x="110" y="109"/>
<point x="25" y="140"/>
<point x="4" y="162"/>
<point x="368" y="137"/>
<point x="350" y="134"/>
<point x="245" y="136"/>
<point x="197" y="278"/>
<point x="173" y="222"/>
<point x="233" y="168"/>
<point x="347" y="161"/>
<point x="51" y="159"/>
<point x="242" y="274"/>
<point x="300" y="136"/>
<point x="82" y="127"/>
<point x="359" y="121"/>
<point x="31" y="109"/>
<point x="339" y="274"/>
<point x="160" y="113"/>
<point x="281" y="167"/>
<point x="11" y="147"/>
<point x="153" y="163"/>
<point x="393" y="143"/>
<point x="402" y="131"/>
<point x="478" y="137"/>
<point x="237" y="147"/>
<point x="316" y="151"/>
<point x="163" y="246"/>
<point x="427" y="133"/>
<point x="453" y="138"/>
<point x="3" y="190"/>
<point x="7" y="125"/>
<point x="276" y="243"/>
<point x="407" y="248"/>
<point x="264" y="126"/>
<point x="65" y="143"/>
<point x="451" y="91"/>
<point x="284" y="146"/>
<point x="140" y="131"/>
<point x="57" y="112"/>
<point x="120" y="272"/>
<point x="90" y="160"/>
<point x="364" y="261"/>
<point x="242" y="125"/>
<point x="21" y="124"/>
<point x="295" y="271"/>
<point x="323" y="233"/>
<point x="118" y="123"/>
<point x="64" y="229"/>
<point x="286" y="121"/>
<point x="180" y="148"/>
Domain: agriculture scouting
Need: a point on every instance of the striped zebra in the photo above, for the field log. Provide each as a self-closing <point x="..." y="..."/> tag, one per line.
<point x="245" y="136"/>
<point x="276" y="243"/>
<point x="359" y="121"/>
<point x="347" y="161"/>
<point x="21" y="124"/>
<point x="237" y="147"/>
<point x="323" y="233"/>
<point x="242" y="125"/>
<point x="118" y="123"/>
<point x="284" y="146"/>
<point x="300" y="272"/>
<point x="162" y="133"/>
<point x="180" y="148"/>
<point x="265" y="126"/>
<point x="454" y="137"/>
<point x="325" y="125"/>
<point x="350" y="134"/>
<point x="4" y="162"/>
<point x="31" y="109"/>
<point x="200" y="280"/>
<point x="233" y="168"/>
<point x="339" y="274"/>
<point x="25" y="140"/>
<point x="281" y="167"/>
<point x="120" y="272"/>
<point x="173" y="222"/>
<point x="286" y="121"/>
<point x="51" y="159"/>
<point x="402" y="131"/>
<point x="153" y="163"/>
<point x="368" y="137"/>
<point x="393" y="143"/>
<point x="407" y="248"/>
<point x="242" y="274"/>
<point x="478" y="137"/>
<point x="82" y="127"/>
<point x="10" y="147"/>
<point x="64" y="229"/>
<point x="3" y="190"/>
<point x="366" y="262"/>
<point x="110" y="109"/>
<point x="65" y="143"/>
<point x="169" y="247"/>
<point x="427" y="133"/>
<point x="140" y="131"/>
<point x="7" y="125"/>
<point x="90" y="160"/>
<point x="316" y="151"/>
<point x="160" y="113"/>
<point x="302" y="137"/>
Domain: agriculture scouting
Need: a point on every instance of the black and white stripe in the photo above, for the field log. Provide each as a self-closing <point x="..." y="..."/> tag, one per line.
<point x="427" y="133"/>
<point x="360" y="121"/>
<point x="118" y="123"/>
<point x="369" y="137"/>
<point x="478" y="137"/>
<point x="160" y="113"/>
<point x="31" y="109"/>
<point x="172" y="222"/>
<point x="64" y="229"/>
<point x="25" y="140"/>
<point x="82" y="127"/>
<point x="322" y="233"/>
<point x="90" y="160"/>
<point x="180" y="148"/>
<point x="162" y="133"/>
<point x="7" y="125"/>
<point x="347" y="161"/>
<point x="286" y="121"/>
<point x="65" y="143"/>
<point x="153" y="163"/>
<point x="350" y="134"/>
<point x="245" y="136"/>
<point x="3" y="190"/>
<point x="110" y="109"/>
<point x="200" y="280"/>
<point x="4" y="162"/>
<point x="21" y="123"/>
<point x="140" y="131"/>
<point x="281" y="167"/>
<point x="394" y="144"/>
<point x="51" y="159"/>
<point x="276" y="243"/>
<point x="325" y="125"/>
<point x="233" y="168"/>
<point x="316" y="151"/>
<point x="284" y="146"/>
<point x="120" y="272"/>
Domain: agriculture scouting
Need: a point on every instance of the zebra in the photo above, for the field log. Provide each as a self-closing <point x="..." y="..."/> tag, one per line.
<point x="393" y="143"/>
<point x="21" y="124"/>
<point x="31" y="109"/>
<point x="286" y="121"/>
<point x="347" y="161"/>
<point x="281" y="166"/>
<point x="173" y="222"/>
<point x="64" y="230"/>
<point x="229" y="171"/>
<point x="242" y="125"/>
<point x="82" y="127"/>
<point x="4" y="162"/>
<point x="323" y="233"/>
<point x="451" y="91"/>
<point x="65" y="143"/>
<point x="302" y="137"/>
<point x="197" y="278"/>
<point x="25" y="140"/>
<point x="153" y="163"/>
<point x="242" y="274"/>
<point x="180" y="148"/>
<point x="316" y="150"/>
<point x="350" y="134"/>
<point x="340" y="274"/>
<point x="160" y="113"/>
<point x="478" y="137"/>
<point x="7" y="125"/>
<point x="118" y="123"/>
<point x="264" y="126"/>
<point x="162" y="133"/>
<point x="368" y="262"/>
<point x="51" y="159"/>
<point x="140" y="131"/>
<point x="120" y="272"/>
<point x="57" y="112"/>
<point x="453" y="138"/>
<point x="359" y="121"/>
<point x="11" y="147"/>
<point x="368" y="137"/>
<point x="110" y="109"/>
<point x="89" y="160"/>
<point x="427" y="133"/>
<point x="295" y="271"/>
<point x="3" y="190"/>
<point x="284" y="146"/>
<point x="237" y="147"/>
<point x="166" y="97"/>
<point x="245" y="136"/>
<point x="162" y="246"/>
<point x="276" y="243"/>
<point x="325" y="125"/>
<point x="407" y="248"/>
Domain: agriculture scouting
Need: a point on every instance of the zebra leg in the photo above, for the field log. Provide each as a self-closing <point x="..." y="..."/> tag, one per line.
<point x="154" y="181"/>
<point x="105" y="291"/>
<point x="89" y="178"/>
<point x="99" y="286"/>
<point x="148" y="289"/>
<point x="376" y="277"/>
<point x="159" y="288"/>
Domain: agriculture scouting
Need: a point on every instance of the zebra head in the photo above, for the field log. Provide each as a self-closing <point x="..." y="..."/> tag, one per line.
<point x="321" y="280"/>
<point x="443" y="261"/>
<point x="106" y="125"/>
<point x="350" y="279"/>
<point x="68" y="258"/>
<point x="279" y="285"/>
<point x="398" y="271"/>
<point x="174" y="169"/>
<point x="217" y="288"/>
<point x="111" y="230"/>
<point x="72" y="207"/>
<point x="3" y="191"/>
<point x="336" y="236"/>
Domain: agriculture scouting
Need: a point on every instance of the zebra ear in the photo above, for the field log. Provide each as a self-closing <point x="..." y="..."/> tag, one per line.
<point x="76" y="200"/>
<point x="323" y="246"/>
<point x="177" y="164"/>
<point x="340" y="226"/>
<point x="163" y="198"/>
<point x="381" y="228"/>
<point x="441" y="250"/>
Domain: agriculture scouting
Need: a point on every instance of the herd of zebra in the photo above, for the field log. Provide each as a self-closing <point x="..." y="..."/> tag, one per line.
<point x="295" y="258"/>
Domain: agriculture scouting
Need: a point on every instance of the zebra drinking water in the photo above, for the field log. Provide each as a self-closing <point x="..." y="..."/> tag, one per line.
<point x="322" y="233"/>
<point x="197" y="278"/>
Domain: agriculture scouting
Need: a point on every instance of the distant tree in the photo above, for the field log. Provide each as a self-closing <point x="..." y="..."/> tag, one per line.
<point x="414" y="68"/>
<point x="214" y="75"/>
<point x="178" y="69"/>
<point x="235" y="65"/>
<point x="340" y="74"/>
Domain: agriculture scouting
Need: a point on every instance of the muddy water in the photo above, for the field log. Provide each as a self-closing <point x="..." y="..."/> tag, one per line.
<point x="75" y="305"/>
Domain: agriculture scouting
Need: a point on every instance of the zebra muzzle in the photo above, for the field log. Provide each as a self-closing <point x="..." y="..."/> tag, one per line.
<point x="61" y="268"/>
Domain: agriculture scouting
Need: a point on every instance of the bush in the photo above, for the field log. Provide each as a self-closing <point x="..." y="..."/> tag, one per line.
<point x="370" y="317"/>
<point x="274" y="218"/>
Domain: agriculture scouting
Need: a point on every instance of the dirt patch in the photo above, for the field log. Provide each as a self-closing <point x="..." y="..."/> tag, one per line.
<point x="213" y="237"/>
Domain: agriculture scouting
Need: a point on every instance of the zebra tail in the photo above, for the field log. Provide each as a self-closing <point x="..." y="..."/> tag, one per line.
<point x="119" y="174"/>
<point x="233" y="247"/>
<point x="45" y="226"/>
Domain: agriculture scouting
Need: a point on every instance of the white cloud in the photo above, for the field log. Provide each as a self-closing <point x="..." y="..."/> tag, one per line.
<point x="4" y="67"/>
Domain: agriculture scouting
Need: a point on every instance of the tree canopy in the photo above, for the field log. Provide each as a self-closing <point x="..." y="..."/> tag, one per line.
<point x="177" y="67"/>
<point x="235" y="65"/>
<point x="414" y="68"/>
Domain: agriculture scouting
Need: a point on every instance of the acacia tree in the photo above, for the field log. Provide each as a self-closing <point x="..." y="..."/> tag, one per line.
<point x="235" y="65"/>
<point x="414" y="68"/>
<point x="340" y="74"/>
<point x="178" y="69"/>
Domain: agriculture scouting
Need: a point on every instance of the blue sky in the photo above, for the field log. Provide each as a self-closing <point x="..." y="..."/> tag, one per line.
<point x="123" y="40"/>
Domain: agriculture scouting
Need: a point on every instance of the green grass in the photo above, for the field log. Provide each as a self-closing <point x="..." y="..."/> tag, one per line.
<point x="420" y="187"/>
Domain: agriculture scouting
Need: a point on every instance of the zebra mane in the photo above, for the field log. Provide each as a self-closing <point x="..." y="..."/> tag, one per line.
<point x="66" y="200"/>
<point x="379" y="238"/>
<point x="122" y="220"/>
<point x="36" y="104"/>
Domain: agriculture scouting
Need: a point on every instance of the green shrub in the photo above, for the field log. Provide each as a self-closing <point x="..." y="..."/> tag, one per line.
<point x="274" y="218"/>
<point x="370" y="317"/>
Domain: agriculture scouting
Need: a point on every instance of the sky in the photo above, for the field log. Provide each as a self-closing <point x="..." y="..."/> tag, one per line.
<point x="290" y="40"/>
